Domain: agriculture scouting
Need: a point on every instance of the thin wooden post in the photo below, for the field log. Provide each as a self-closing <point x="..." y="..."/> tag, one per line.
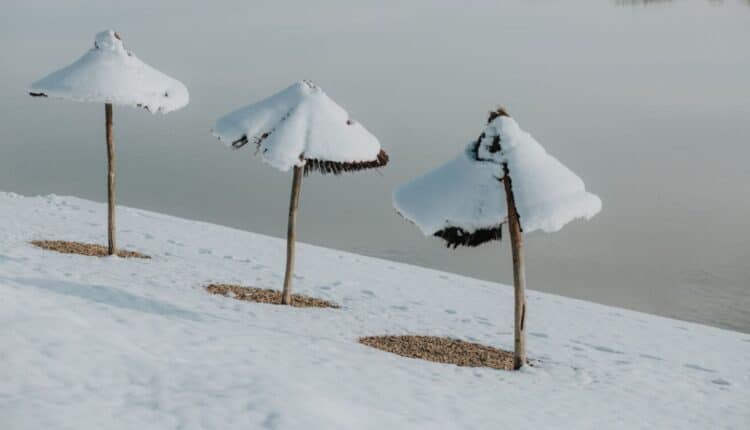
<point x="286" y="295"/>
<point x="519" y="274"/>
<point x="110" y="180"/>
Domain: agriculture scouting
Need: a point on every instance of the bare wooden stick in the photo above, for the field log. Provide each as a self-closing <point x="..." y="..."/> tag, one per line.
<point x="111" y="249"/>
<point x="519" y="275"/>
<point x="286" y="294"/>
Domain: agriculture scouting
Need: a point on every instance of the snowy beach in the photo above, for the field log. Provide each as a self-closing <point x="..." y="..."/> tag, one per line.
<point x="127" y="343"/>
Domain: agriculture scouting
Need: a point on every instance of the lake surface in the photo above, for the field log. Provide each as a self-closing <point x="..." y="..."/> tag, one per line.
<point x="648" y="102"/>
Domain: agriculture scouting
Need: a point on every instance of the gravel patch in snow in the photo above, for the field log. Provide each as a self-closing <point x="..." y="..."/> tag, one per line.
<point x="273" y="297"/>
<point x="89" y="249"/>
<point x="443" y="350"/>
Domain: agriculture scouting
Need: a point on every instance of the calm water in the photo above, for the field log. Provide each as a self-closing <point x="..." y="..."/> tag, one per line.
<point x="649" y="103"/>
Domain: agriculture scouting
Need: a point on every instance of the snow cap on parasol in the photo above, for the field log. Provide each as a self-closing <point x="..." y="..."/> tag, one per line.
<point x="464" y="201"/>
<point x="108" y="73"/>
<point x="302" y="126"/>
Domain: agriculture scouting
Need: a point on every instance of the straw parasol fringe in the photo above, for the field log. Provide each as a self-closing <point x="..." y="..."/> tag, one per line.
<point x="337" y="167"/>
<point x="324" y="167"/>
<point x="455" y="236"/>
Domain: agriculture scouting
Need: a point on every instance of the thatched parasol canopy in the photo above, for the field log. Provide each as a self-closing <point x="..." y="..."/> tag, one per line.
<point x="302" y="126"/>
<point x="464" y="202"/>
<point x="111" y="75"/>
<point x="108" y="73"/>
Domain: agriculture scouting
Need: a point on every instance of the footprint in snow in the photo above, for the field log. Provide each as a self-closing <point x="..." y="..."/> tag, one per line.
<point x="174" y="242"/>
<point x="701" y="368"/>
<point x="584" y="377"/>
<point x="542" y="335"/>
<point x="450" y="311"/>
<point x="272" y="420"/>
<point x="598" y="347"/>
<point x="482" y="321"/>
<point x="720" y="381"/>
<point x="650" y="357"/>
<point x="148" y="236"/>
<point x="205" y="251"/>
<point x="4" y="258"/>
<point x="400" y="308"/>
<point x="605" y="349"/>
<point x="368" y="293"/>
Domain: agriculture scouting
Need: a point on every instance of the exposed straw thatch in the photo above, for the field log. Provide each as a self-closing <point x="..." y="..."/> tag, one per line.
<point x="337" y="167"/>
<point x="495" y="145"/>
<point x="500" y="111"/>
<point x="257" y="140"/>
<point x="455" y="236"/>
<point x="239" y="143"/>
<point x="325" y="167"/>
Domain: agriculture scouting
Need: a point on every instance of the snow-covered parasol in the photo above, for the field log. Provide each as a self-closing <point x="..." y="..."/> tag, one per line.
<point x="505" y="176"/>
<point x="110" y="74"/>
<point x="301" y="128"/>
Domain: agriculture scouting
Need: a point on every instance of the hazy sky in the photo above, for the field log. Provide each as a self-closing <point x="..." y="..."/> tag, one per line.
<point x="648" y="104"/>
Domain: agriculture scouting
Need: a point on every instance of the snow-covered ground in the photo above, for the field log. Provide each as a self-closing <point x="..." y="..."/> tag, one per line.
<point x="109" y="343"/>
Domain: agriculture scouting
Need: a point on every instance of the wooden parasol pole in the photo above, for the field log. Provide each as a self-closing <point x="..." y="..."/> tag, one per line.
<point x="110" y="180"/>
<point x="286" y="295"/>
<point x="519" y="274"/>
